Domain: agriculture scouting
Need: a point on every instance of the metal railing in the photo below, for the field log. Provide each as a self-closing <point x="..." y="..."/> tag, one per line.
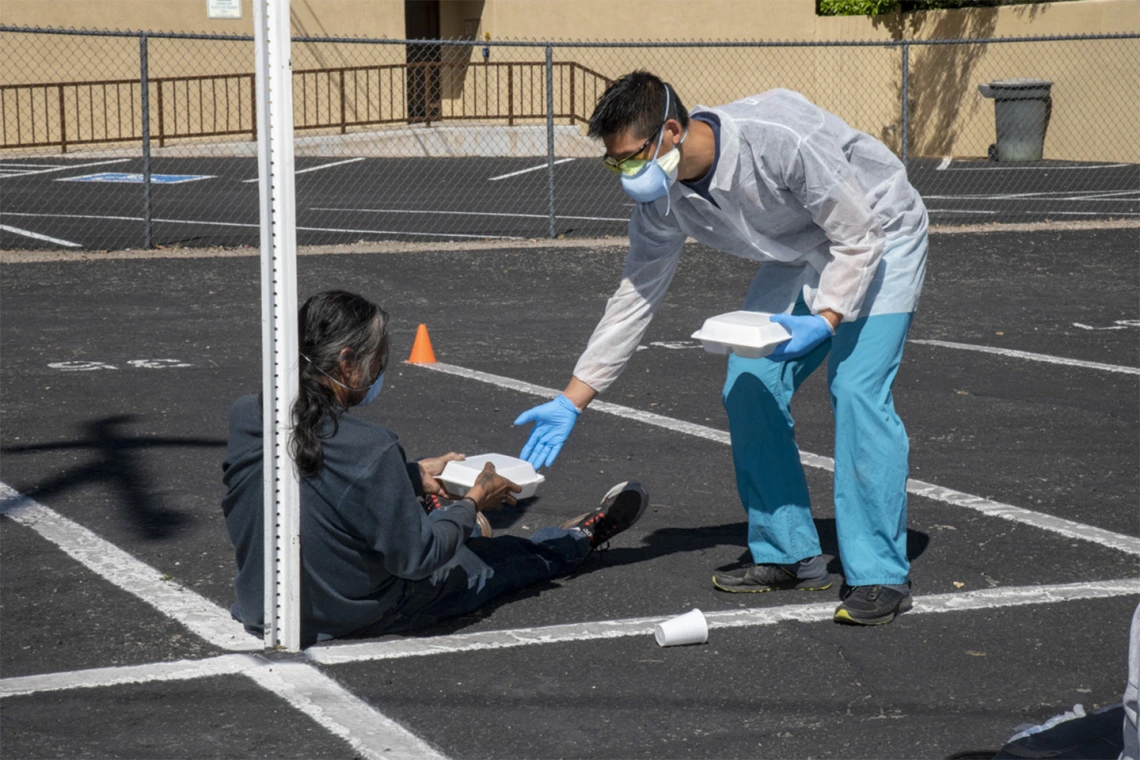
<point x="220" y="105"/>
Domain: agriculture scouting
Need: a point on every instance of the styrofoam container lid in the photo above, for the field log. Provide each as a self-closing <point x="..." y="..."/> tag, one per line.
<point x="460" y="476"/>
<point x="750" y="334"/>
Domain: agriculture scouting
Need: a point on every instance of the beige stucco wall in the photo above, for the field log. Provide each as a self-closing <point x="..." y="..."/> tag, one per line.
<point x="106" y="58"/>
<point x="1096" y="114"/>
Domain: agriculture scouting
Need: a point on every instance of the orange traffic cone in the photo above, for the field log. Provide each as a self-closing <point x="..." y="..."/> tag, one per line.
<point x="421" y="349"/>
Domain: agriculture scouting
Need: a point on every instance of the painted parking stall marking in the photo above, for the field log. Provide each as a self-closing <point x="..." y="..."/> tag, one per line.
<point x="250" y="225"/>
<point x="1120" y="324"/>
<point x="49" y="168"/>
<point x="39" y="236"/>
<point x="202" y="617"/>
<point x="130" y="178"/>
<point x="1060" y="525"/>
<point x="816" y="612"/>
<point x="527" y="171"/>
<point x="1012" y="353"/>
<point x="89" y="366"/>
<point x="371" y="733"/>
<point x="314" y="168"/>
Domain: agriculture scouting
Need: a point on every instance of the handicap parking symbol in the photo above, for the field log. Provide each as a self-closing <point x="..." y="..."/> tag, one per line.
<point x="137" y="179"/>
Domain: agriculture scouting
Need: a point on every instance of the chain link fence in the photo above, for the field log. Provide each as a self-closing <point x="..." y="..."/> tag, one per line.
<point x="114" y="140"/>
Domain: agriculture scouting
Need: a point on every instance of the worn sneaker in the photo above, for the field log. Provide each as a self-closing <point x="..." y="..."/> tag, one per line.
<point x="758" y="578"/>
<point x="872" y="605"/>
<point x="483" y="528"/>
<point x="621" y="507"/>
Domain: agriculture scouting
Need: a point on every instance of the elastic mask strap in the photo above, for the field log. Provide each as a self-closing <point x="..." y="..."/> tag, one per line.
<point x="330" y="377"/>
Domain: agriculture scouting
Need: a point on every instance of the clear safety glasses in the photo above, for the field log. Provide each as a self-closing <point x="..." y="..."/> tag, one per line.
<point x="629" y="164"/>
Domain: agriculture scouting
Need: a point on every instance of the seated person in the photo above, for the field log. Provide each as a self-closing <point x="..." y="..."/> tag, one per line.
<point x="374" y="559"/>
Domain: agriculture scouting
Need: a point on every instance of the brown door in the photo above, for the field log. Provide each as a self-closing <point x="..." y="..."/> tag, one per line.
<point x="421" y="22"/>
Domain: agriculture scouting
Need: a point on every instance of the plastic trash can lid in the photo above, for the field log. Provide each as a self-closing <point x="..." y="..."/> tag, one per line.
<point x="1021" y="84"/>
<point x="1016" y="89"/>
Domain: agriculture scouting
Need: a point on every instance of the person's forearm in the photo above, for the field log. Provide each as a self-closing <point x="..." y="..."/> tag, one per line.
<point x="833" y="318"/>
<point x="579" y="393"/>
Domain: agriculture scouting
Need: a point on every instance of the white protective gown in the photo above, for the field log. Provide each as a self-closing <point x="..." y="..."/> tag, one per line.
<point x="826" y="210"/>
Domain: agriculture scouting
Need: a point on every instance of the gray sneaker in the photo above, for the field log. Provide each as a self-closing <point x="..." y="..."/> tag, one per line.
<point x="758" y="578"/>
<point x="872" y="605"/>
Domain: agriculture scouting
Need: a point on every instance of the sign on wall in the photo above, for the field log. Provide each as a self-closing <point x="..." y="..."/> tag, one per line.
<point x="223" y="8"/>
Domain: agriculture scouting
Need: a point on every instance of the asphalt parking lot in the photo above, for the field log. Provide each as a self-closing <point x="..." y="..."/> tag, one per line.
<point x="1019" y="390"/>
<point x="97" y="203"/>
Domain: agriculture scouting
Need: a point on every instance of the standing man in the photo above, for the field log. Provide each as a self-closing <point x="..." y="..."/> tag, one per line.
<point x="840" y="235"/>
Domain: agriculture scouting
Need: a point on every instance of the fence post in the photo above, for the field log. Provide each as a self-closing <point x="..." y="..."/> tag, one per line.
<point x="905" y="101"/>
<point x="161" y="127"/>
<point x="62" y="123"/>
<point x="550" y="139"/>
<point x="342" y="112"/>
<point x="573" y="102"/>
<point x="144" y="83"/>
<point x="253" y="106"/>
<point x="510" y="95"/>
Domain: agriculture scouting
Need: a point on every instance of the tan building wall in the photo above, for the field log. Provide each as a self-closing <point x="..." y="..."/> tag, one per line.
<point x="1096" y="114"/>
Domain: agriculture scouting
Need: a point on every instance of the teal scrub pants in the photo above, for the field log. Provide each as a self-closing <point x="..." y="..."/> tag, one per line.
<point x="871" y="451"/>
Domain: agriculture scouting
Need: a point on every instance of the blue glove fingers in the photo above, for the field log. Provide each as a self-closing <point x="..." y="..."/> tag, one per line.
<point x="553" y="454"/>
<point x="527" y="416"/>
<point x="538" y="456"/>
<point x="532" y="442"/>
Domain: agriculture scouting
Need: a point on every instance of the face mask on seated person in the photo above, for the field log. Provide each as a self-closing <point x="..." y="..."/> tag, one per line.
<point x="373" y="389"/>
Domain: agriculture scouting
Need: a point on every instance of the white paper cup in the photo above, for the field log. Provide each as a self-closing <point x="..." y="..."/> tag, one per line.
<point x="690" y="628"/>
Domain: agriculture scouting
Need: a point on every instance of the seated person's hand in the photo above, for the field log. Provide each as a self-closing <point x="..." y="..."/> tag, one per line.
<point x="432" y="467"/>
<point x="491" y="490"/>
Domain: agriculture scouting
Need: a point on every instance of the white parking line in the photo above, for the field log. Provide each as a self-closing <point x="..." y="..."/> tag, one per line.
<point x="984" y="599"/>
<point x="183" y="670"/>
<point x="1047" y="213"/>
<point x="65" y="168"/>
<point x="38" y="236"/>
<point x="201" y="616"/>
<point x="315" y="168"/>
<point x="315" y="691"/>
<point x="1051" y="167"/>
<point x="1059" y="525"/>
<point x="257" y="226"/>
<point x="527" y="171"/>
<point x="371" y="733"/>
<point x="1051" y="195"/>
<point x="1030" y="356"/>
<point x="467" y="213"/>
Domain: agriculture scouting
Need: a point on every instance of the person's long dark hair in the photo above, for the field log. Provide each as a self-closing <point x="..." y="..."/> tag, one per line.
<point x="329" y="323"/>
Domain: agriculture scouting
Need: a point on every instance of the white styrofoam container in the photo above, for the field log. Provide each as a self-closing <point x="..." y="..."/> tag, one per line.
<point x="748" y="334"/>
<point x="459" y="477"/>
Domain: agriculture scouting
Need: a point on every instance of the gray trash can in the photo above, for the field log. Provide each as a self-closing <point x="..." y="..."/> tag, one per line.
<point x="1022" y="108"/>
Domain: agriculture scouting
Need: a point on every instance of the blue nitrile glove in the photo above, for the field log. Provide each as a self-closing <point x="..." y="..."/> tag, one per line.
<point x="808" y="331"/>
<point x="553" y="422"/>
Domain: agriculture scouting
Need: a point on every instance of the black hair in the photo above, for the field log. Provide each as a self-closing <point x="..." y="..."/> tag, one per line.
<point x="636" y="103"/>
<point x="329" y="323"/>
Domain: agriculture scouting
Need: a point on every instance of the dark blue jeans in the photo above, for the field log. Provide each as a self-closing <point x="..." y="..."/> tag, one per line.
<point x="481" y="570"/>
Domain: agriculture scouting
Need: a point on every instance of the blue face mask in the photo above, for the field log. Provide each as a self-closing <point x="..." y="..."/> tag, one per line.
<point x="373" y="390"/>
<point x="653" y="179"/>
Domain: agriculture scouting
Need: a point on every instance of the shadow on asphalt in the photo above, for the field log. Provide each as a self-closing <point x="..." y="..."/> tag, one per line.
<point x="659" y="543"/>
<point x="115" y="463"/>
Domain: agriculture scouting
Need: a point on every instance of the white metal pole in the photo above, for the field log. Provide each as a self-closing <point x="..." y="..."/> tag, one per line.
<point x="282" y="542"/>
